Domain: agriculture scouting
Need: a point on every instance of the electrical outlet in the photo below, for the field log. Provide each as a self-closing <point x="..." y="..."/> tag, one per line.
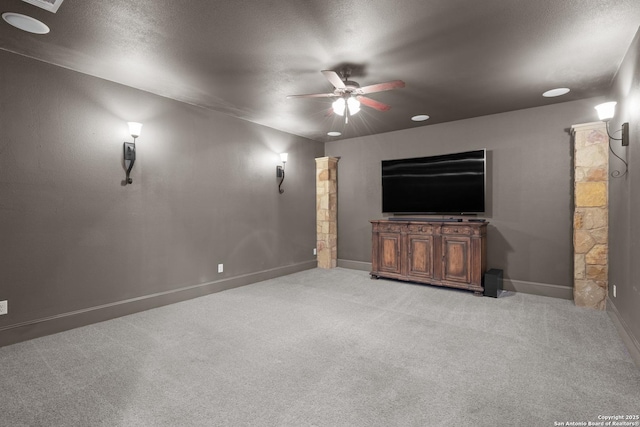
<point x="220" y="268"/>
<point x="614" y="291"/>
<point x="315" y="251"/>
<point x="4" y="307"/>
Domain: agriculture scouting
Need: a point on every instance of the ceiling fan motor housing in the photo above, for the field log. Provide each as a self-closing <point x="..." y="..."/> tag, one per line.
<point x="351" y="88"/>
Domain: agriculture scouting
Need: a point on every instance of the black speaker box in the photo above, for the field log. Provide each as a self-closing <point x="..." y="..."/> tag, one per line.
<point x="493" y="283"/>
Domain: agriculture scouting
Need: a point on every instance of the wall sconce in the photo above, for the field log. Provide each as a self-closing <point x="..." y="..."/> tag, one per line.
<point x="280" y="170"/>
<point x="606" y="111"/>
<point x="129" y="149"/>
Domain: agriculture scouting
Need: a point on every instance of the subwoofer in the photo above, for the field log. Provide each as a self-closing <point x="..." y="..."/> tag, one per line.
<point x="493" y="283"/>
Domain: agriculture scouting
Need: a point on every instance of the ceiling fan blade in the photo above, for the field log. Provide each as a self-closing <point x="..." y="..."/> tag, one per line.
<point x="312" y="95"/>
<point x="395" y="84"/>
<point x="372" y="103"/>
<point x="334" y="78"/>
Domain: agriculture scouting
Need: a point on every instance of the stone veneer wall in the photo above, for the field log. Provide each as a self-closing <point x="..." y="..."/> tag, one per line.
<point x="327" y="211"/>
<point x="591" y="215"/>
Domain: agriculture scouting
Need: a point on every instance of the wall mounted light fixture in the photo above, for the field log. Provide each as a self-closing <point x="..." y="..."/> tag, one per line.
<point x="280" y="170"/>
<point x="129" y="149"/>
<point x="606" y="111"/>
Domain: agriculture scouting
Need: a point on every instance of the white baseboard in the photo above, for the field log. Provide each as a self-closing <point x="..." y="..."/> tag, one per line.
<point x="625" y="333"/>
<point x="35" y="328"/>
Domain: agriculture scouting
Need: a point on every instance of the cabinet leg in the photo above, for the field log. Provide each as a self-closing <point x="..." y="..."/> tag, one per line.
<point x="477" y="293"/>
<point x="374" y="277"/>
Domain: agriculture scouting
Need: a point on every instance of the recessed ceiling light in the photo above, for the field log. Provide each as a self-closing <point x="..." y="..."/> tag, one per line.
<point x="334" y="133"/>
<point x="556" y="92"/>
<point x="420" y="118"/>
<point x="25" y="23"/>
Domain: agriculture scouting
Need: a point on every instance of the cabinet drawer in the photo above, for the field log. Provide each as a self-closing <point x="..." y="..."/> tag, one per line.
<point x="390" y="228"/>
<point x="420" y="228"/>
<point x="457" y="230"/>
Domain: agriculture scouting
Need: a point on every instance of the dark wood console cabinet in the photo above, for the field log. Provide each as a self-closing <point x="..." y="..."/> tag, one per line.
<point x="449" y="254"/>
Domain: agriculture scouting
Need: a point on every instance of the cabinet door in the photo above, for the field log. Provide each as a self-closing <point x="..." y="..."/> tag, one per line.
<point x="420" y="256"/>
<point x="456" y="258"/>
<point x="389" y="252"/>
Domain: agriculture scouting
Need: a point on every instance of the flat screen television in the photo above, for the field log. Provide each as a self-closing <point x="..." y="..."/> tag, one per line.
<point x="445" y="184"/>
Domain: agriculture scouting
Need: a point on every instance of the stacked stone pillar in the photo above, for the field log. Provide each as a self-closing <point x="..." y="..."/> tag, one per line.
<point x="327" y="211"/>
<point x="591" y="215"/>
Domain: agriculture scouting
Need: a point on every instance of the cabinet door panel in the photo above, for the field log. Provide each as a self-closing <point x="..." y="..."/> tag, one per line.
<point x="389" y="252"/>
<point x="420" y="256"/>
<point x="456" y="258"/>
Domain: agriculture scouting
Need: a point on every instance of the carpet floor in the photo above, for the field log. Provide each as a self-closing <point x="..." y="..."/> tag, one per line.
<point x="327" y="348"/>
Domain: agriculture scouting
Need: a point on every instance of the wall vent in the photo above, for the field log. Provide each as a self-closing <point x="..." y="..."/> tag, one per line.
<point x="50" y="5"/>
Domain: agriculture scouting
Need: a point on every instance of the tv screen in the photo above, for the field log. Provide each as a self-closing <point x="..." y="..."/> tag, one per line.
<point x="446" y="184"/>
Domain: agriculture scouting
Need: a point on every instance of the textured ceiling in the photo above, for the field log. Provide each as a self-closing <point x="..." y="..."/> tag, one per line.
<point x="459" y="58"/>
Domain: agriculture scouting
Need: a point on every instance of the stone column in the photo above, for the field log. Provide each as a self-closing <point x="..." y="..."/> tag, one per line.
<point x="327" y="211"/>
<point x="591" y="215"/>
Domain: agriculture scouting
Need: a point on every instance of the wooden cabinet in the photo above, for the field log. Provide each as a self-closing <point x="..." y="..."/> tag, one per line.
<point x="438" y="253"/>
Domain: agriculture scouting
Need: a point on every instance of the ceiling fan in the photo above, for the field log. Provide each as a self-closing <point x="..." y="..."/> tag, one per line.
<point x="349" y="95"/>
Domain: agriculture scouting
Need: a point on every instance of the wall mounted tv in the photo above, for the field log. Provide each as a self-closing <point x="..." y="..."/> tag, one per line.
<point x="445" y="184"/>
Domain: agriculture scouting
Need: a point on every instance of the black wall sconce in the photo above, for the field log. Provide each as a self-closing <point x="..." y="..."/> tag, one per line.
<point x="280" y="170"/>
<point x="606" y="111"/>
<point x="129" y="149"/>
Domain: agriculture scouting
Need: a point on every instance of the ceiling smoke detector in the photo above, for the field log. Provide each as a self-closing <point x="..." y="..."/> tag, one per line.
<point x="50" y="5"/>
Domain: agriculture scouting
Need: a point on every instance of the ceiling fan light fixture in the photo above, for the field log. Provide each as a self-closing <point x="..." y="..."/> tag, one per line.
<point x="349" y="96"/>
<point x="354" y="106"/>
<point x="338" y="106"/>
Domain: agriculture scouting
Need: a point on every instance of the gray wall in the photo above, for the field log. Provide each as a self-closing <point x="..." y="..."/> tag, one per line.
<point x="529" y="187"/>
<point x="624" y="197"/>
<point x="76" y="243"/>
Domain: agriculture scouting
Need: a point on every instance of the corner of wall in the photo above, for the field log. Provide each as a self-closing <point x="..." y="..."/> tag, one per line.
<point x="625" y="332"/>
